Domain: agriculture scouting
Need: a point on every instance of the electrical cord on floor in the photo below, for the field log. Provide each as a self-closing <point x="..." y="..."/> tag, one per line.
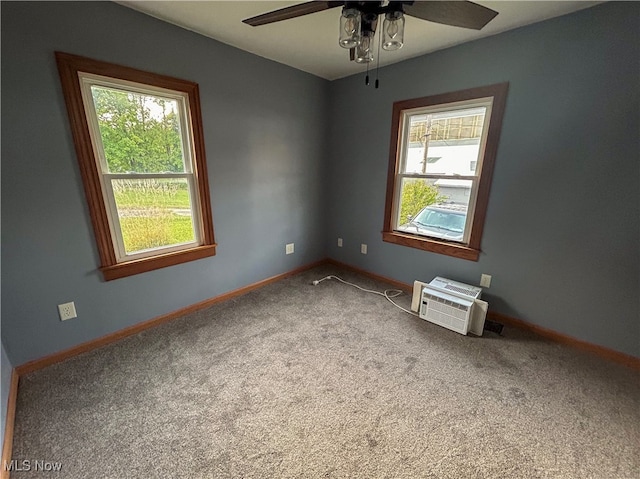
<point x="388" y="294"/>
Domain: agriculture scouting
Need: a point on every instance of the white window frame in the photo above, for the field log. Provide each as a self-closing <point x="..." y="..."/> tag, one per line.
<point x="486" y="103"/>
<point x="87" y="81"/>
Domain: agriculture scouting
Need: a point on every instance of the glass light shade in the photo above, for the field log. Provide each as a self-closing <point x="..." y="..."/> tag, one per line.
<point x="364" y="51"/>
<point x="393" y="31"/>
<point x="349" y="28"/>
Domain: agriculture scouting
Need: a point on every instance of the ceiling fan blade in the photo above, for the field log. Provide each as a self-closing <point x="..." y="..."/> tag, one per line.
<point x="458" y="14"/>
<point x="291" y="12"/>
<point x="352" y="53"/>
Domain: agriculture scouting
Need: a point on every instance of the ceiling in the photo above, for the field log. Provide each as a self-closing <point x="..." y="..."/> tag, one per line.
<point x="310" y="43"/>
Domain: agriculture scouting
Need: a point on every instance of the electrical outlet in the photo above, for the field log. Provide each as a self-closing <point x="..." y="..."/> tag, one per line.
<point x="67" y="311"/>
<point x="363" y="248"/>
<point x="485" y="280"/>
<point x="289" y="248"/>
<point x="339" y="242"/>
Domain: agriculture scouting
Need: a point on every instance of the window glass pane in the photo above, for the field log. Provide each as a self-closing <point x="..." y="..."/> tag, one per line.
<point x="154" y="213"/>
<point x="445" y="142"/>
<point x="140" y="132"/>
<point x="436" y="207"/>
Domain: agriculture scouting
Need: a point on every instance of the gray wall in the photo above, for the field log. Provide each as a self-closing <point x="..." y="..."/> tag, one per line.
<point x="562" y="233"/>
<point x="264" y="133"/>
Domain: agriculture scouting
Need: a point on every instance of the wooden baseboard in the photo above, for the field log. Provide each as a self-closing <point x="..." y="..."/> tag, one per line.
<point x="604" y="352"/>
<point x="7" y="445"/>
<point x="54" y="358"/>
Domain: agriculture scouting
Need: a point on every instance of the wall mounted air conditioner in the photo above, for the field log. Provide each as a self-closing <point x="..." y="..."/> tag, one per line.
<point x="453" y="305"/>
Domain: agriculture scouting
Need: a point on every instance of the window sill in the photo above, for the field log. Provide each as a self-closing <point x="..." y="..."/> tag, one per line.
<point x="129" y="268"/>
<point x="441" y="247"/>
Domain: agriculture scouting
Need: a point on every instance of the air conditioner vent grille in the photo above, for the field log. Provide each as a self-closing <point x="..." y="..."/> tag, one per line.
<point x="458" y="289"/>
<point x="453" y="304"/>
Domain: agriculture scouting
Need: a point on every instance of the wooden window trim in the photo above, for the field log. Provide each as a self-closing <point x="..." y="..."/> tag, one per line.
<point x="470" y="251"/>
<point x="68" y="67"/>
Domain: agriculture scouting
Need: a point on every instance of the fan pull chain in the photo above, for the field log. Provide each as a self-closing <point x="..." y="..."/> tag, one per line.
<point x="366" y="78"/>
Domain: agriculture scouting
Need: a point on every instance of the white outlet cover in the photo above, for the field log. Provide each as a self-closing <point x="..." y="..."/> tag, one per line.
<point x="67" y="311"/>
<point x="289" y="248"/>
<point x="363" y="248"/>
<point x="485" y="280"/>
<point x="340" y="242"/>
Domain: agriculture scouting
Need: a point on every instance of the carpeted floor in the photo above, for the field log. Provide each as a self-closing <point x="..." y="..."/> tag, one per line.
<point x="302" y="381"/>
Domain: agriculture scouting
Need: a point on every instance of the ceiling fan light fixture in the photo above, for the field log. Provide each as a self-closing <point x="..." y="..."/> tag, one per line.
<point x="350" y="22"/>
<point x="393" y="31"/>
<point x="360" y="20"/>
<point x="364" y="50"/>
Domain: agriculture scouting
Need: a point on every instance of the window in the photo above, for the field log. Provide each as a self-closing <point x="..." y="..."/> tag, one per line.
<point x="442" y="152"/>
<point x="138" y="139"/>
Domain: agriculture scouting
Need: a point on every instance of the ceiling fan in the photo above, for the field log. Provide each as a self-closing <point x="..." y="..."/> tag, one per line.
<point x="359" y="20"/>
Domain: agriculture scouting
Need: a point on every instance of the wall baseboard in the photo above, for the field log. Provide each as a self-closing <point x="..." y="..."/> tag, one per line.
<point x="7" y="445"/>
<point x="54" y="358"/>
<point x="602" y="351"/>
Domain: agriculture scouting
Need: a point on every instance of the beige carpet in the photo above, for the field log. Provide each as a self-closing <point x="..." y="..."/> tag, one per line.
<point x="302" y="381"/>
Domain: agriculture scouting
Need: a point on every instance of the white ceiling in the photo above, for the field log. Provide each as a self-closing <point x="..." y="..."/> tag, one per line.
<point x="310" y="43"/>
